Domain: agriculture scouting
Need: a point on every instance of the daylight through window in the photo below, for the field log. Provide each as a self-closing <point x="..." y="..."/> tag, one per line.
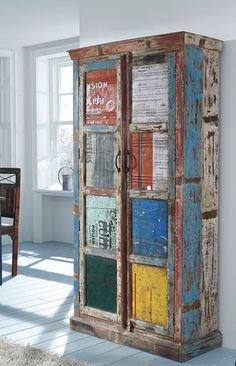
<point x="54" y="119"/>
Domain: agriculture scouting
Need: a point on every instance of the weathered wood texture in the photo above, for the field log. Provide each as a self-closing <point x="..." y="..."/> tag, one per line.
<point x="10" y="179"/>
<point x="149" y="288"/>
<point x="164" y="43"/>
<point x="209" y="201"/>
<point x="35" y="307"/>
<point x="149" y="144"/>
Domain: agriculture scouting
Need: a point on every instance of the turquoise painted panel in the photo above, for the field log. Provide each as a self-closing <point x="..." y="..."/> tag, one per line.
<point x="192" y="242"/>
<point x="193" y="89"/>
<point x="191" y="325"/>
<point x="101" y="222"/>
<point x="149" y="227"/>
<point x="99" y="65"/>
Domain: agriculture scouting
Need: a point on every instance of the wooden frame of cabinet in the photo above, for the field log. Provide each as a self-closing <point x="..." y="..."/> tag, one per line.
<point x="181" y="321"/>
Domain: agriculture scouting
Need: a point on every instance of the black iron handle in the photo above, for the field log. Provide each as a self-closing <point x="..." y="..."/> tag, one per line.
<point x="127" y="160"/>
<point x="116" y="161"/>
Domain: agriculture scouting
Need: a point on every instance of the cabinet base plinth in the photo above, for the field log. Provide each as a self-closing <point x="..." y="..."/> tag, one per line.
<point x="154" y="344"/>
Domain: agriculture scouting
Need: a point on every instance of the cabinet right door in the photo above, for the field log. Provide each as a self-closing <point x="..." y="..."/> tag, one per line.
<point x="151" y="192"/>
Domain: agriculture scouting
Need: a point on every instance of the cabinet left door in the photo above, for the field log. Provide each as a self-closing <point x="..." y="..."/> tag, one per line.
<point x="101" y="162"/>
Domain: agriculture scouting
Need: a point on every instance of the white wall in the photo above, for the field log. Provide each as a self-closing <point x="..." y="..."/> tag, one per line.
<point x="17" y="157"/>
<point x="227" y="242"/>
<point x="45" y="217"/>
<point x="110" y="21"/>
<point x="104" y="20"/>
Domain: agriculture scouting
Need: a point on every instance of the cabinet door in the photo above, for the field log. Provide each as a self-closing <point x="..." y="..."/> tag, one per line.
<point x="151" y="192"/>
<point x="100" y="172"/>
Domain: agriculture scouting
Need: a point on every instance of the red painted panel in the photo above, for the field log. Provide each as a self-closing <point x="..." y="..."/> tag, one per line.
<point x="147" y="160"/>
<point x="135" y="161"/>
<point x="101" y="97"/>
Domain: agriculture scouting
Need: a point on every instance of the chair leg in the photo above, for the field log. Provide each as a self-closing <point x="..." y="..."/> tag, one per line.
<point x="0" y="248"/>
<point x="0" y="257"/>
<point x="14" y="257"/>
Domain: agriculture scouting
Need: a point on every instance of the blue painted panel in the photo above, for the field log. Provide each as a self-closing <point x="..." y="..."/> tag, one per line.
<point x="149" y="227"/>
<point x="193" y="87"/>
<point x="99" y="65"/>
<point x="96" y="128"/>
<point x="192" y="241"/>
<point x="191" y="325"/>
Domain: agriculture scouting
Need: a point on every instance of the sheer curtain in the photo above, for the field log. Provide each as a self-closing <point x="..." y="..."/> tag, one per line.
<point x="5" y="111"/>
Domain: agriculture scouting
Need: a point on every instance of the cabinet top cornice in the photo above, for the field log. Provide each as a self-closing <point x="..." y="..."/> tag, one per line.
<point x="166" y="42"/>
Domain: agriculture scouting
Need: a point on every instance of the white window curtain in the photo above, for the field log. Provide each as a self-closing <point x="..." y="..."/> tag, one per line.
<point x="5" y="111"/>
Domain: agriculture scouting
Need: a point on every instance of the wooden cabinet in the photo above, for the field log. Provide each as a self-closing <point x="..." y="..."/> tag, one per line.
<point x="145" y="193"/>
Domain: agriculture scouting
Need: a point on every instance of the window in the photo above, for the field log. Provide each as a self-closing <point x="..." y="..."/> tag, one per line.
<point x="7" y="109"/>
<point x="54" y="101"/>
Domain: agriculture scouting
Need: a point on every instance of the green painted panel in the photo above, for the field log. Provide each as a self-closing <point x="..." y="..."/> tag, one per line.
<point x="101" y="222"/>
<point x="101" y="283"/>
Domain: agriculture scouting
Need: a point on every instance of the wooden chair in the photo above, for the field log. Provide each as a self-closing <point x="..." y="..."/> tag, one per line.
<point x="10" y="190"/>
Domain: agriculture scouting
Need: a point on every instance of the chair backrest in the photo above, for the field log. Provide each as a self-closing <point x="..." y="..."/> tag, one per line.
<point x="10" y="190"/>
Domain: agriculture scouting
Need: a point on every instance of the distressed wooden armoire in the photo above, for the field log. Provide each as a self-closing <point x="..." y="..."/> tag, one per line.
<point x="146" y="115"/>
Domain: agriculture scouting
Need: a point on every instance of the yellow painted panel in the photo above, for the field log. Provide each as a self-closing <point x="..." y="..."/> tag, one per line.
<point x="149" y="294"/>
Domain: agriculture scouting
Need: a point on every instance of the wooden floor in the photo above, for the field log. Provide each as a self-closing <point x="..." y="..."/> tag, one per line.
<point x="36" y="305"/>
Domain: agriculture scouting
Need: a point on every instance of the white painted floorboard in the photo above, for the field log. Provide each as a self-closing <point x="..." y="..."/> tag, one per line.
<point x="35" y="307"/>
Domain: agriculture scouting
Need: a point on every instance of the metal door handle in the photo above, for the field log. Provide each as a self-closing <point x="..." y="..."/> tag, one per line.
<point x="116" y="161"/>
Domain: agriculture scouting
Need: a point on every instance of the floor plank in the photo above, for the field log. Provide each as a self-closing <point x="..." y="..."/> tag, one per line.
<point x="35" y="307"/>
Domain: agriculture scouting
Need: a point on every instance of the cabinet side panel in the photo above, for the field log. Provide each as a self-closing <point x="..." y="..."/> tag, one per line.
<point x="178" y="213"/>
<point x="193" y="93"/>
<point x="210" y="141"/>
<point x="211" y="83"/>
<point x="192" y="239"/>
<point x="209" y="277"/>
<point x="209" y="169"/>
<point x="192" y="220"/>
<point x="191" y="261"/>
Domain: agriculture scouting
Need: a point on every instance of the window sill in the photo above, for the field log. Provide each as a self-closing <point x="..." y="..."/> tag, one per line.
<point x="50" y="192"/>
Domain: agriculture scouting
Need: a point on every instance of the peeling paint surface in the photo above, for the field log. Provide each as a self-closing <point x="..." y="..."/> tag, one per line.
<point x="101" y="222"/>
<point x="211" y="83"/>
<point x="193" y="87"/>
<point x="209" y="277"/>
<point x="149" y="294"/>
<point x="100" y="160"/>
<point x="210" y="167"/>
<point x="101" y="283"/>
<point x="148" y="197"/>
<point x="149" y="161"/>
<point x="191" y="243"/>
<point x="149" y="227"/>
<point x="191" y="325"/>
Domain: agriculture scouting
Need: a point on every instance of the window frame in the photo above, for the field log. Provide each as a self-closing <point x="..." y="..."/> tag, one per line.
<point x="55" y="64"/>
